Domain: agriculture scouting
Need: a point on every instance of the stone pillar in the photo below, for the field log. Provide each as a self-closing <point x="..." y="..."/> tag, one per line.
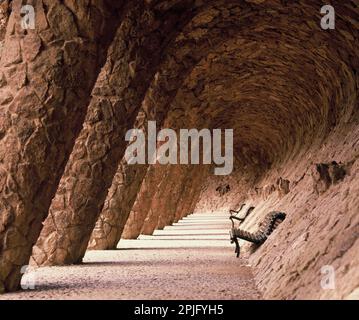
<point x="196" y="194"/>
<point x="118" y="205"/>
<point x="191" y="192"/>
<point x="120" y="199"/>
<point x="155" y="175"/>
<point x="46" y="76"/>
<point x="117" y="96"/>
<point x="164" y="203"/>
<point x="176" y="66"/>
<point x="159" y="200"/>
<point x="167" y="217"/>
<point x="128" y="178"/>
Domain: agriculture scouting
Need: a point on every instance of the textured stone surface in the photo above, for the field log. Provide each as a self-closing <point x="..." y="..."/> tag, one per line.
<point x="4" y="15"/>
<point x="277" y="157"/>
<point x="117" y="98"/>
<point x="120" y="199"/>
<point x="46" y="78"/>
<point x="142" y="205"/>
<point x="189" y="47"/>
<point x="164" y="202"/>
<point x="264" y="68"/>
<point x="191" y="194"/>
<point x="321" y="228"/>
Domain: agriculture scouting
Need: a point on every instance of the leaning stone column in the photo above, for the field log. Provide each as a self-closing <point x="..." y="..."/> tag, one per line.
<point x="180" y="199"/>
<point x="179" y="61"/>
<point x="185" y="198"/>
<point x="117" y="96"/>
<point x="46" y="76"/>
<point x="164" y="203"/>
<point x="158" y="201"/>
<point x="119" y="201"/>
<point x="155" y="174"/>
<point x="193" y="189"/>
<point x="128" y="178"/>
<point x="166" y="218"/>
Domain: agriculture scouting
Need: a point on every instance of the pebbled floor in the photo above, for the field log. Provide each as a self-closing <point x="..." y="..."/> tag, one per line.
<point x="192" y="259"/>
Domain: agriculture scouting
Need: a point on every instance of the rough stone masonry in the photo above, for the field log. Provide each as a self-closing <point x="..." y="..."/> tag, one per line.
<point x="89" y="71"/>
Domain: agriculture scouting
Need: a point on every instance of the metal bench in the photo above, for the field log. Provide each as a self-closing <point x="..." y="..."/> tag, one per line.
<point x="269" y="224"/>
<point x="234" y="214"/>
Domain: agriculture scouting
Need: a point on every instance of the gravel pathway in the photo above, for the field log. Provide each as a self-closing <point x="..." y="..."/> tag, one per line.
<point x="184" y="261"/>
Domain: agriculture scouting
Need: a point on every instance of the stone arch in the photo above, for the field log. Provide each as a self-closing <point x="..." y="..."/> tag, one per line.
<point x="245" y="64"/>
<point x="325" y="75"/>
<point x="179" y="61"/>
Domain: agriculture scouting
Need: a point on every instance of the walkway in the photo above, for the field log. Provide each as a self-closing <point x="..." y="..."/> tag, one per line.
<point x="193" y="259"/>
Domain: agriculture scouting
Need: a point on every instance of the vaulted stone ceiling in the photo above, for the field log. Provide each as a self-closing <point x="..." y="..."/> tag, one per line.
<point x="72" y="87"/>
